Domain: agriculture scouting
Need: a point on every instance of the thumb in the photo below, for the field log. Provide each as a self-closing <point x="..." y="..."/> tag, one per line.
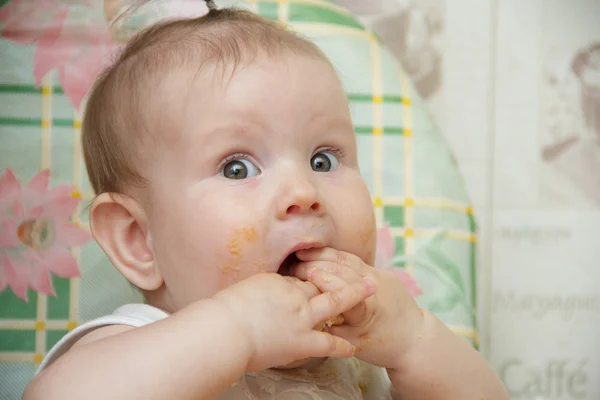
<point x="323" y="344"/>
<point x="357" y="315"/>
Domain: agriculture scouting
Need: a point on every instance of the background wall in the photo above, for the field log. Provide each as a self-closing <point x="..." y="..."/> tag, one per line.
<point x="515" y="87"/>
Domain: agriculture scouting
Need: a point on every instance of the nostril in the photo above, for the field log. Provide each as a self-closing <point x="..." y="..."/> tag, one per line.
<point x="293" y="209"/>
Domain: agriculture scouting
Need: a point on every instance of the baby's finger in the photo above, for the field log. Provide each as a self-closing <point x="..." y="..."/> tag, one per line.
<point x="332" y="304"/>
<point x="334" y="256"/>
<point x="327" y="282"/>
<point x="308" y="288"/>
<point x="304" y="270"/>
<point x="322" y="344"/>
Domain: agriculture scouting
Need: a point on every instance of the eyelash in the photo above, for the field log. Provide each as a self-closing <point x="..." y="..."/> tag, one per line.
<point x="234" y="157"/>
<point x="339" y="153"/>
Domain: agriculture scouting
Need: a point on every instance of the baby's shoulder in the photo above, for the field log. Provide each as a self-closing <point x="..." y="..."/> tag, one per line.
<point x="124" y="318"/>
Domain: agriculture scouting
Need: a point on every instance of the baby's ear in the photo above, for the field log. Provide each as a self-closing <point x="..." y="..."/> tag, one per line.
<point x="119" y="225"/>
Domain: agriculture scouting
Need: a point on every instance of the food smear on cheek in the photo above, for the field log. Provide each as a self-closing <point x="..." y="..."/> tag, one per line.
<point x="249" y="234"/>
<point x="230" y="271"/>
<point x="367" y="242"/>
<point x="368" y="235"/>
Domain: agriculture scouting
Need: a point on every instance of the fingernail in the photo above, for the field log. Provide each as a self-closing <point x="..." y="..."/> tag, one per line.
<point x="369" y="284"/>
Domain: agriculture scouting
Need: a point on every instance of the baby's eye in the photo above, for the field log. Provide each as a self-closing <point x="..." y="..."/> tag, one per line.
<point x="239" y="169"/>
<point x="324" y="161"/>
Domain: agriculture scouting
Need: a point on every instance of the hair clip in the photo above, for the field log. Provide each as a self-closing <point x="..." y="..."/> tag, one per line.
<point x="211" y="5"/>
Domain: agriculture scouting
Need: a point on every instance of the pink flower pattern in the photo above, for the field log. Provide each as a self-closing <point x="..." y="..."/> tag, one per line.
<point x="36" y="234"/>
<point x="68" y="38"/>
<point x="386" y="248"/>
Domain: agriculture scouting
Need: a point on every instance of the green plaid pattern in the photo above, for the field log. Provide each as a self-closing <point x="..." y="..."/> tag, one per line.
<point x="410" y="172"/>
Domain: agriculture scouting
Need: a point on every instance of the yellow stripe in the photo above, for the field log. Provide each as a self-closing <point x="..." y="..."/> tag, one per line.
<point x="442" y="204"/>
<point x="283" y="12"/>
<point x="87" y="195"/>
<point x="253" y="6"/>
<point x="321" y="29"/>
<point x="71" y="325"/>
<point x="45" y="162"/>
<point x="14" y="357"/>
<point x="410" y="233"/>
<point x="408" y="141"/>
<point x="76" y="217"/>
<point x="320" y="3"/>
<point x="377" y="124"/>
<point x="40" y="334"/>
<point x="74" y="289"/>
<point x="46" y="128"/>
<point x="408" y="169"/>
<point x="30" y="325"/>
<point x="77" y="162"/>
<point x="17" y="324"/>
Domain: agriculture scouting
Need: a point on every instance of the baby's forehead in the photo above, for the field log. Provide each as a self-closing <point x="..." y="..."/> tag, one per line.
<point x="189" y="89"/>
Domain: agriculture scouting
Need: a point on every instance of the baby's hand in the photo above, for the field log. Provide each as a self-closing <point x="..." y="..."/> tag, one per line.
<point x="384" y="326"/>
<point x="277" y="314"/>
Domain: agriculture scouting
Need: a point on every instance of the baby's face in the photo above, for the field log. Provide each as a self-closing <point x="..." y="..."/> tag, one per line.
<point x="255" y="168"/>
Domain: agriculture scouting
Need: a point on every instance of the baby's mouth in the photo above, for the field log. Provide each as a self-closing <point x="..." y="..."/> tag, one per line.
<point x="286" y="265"/>
<point x="291" y="259"/>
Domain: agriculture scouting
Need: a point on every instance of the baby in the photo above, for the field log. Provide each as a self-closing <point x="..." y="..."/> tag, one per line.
<point x="224" y="160"/>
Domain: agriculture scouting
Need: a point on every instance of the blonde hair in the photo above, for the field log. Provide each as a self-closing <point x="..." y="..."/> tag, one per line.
<point x="114" y="129"/>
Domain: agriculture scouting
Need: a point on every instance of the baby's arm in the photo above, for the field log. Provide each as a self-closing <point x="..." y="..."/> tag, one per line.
<point x="424" y="359"/>
<point x="193" y="354"/>
<point x="440" y="365"/>
<point x="201" y="350"/>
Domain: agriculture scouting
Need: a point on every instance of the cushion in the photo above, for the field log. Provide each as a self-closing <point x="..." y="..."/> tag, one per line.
<point x="54" y="277"/>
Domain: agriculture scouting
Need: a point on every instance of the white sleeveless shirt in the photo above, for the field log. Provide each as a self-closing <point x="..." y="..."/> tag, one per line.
<point x="334" y="379"/>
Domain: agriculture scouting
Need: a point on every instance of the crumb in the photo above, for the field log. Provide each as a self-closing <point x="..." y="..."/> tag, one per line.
<point x="233" y="246"/>
<point x="422" y="312"/>
<point x="335" y="321"/>
<point x="363" y="387"/>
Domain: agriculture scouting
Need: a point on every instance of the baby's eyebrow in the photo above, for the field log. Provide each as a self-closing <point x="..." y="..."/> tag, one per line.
<point x="238" y="132"/>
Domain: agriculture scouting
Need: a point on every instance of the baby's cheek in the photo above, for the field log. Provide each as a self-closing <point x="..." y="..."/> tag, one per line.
<point x="368" y="239"/>
<point x="240" y="260"/>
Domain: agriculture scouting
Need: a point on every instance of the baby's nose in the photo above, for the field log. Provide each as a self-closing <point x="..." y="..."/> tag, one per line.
<point x="300" y="197"/>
